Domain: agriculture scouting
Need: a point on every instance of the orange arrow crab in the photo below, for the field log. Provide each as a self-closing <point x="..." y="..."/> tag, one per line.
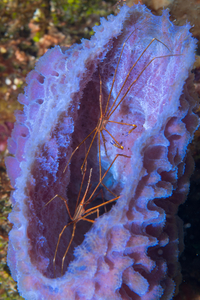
<point x="110" y="109"/>
<point x="81" y="212"/>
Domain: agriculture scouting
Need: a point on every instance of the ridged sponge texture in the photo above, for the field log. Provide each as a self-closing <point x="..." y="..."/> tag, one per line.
<point x="131" y="251"/>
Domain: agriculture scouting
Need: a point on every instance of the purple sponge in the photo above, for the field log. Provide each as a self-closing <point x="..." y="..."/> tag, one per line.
<point x="130" y="252"/>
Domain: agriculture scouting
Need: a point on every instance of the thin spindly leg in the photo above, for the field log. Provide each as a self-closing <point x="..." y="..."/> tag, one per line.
<point x="78" y="148"/>
<point x="83" y="177"/>
<point x="92" y="210"/>
<point x="101" y="191"/>
<point x="122" y="123"/>
<point x="60" y="235"/>
<point x="116" y="70"/>
<point x="88" y="220"/>
<point x="89" y="148"/>
<point x="117" y="143"/>
<point x="104" y="142"/>
<point x="163" y="56"/>
<point x="99" y="154"/>
<point x="127" y="76"/>
<point x="108" y="189"/>
<point x="90" y="199"/>
<point x="91" y="213"/>
<point x="102" y="196"/>
<point x="63" y="200"/>
<point x="97" y="129"/>
<point x="63" y="259"/>
<point x="117" y="155"/>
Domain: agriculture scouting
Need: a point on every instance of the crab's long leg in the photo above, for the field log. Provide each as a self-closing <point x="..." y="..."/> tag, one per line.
<point x="80" y="209"/>
<point x="134" y="81"/>
<point x="89" y="148"/>
<point x="118" y="144"/>
<point x="116" y="70"/>
<point x="63" y="200"/>
<point x="91" y="210"/>
<point x="117" y="155"/>
<point x="72" y="237"/>
<point x="60" y="235"/>
<point x="110" y="112"/>
<point x="83" y="177"/>
<point x="101" y="191"/>
<point x="88" y="220"/>
<point x="122" y="123"/>
<point x="99" y="145"/>
<point x="78" y="148"/>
